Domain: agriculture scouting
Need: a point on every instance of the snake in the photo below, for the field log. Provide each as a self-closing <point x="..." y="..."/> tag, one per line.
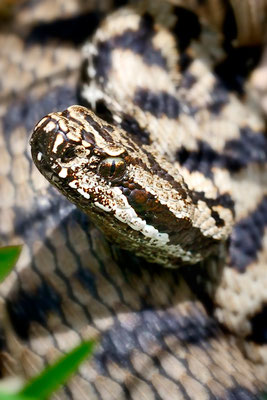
<point x="164" y="154"/>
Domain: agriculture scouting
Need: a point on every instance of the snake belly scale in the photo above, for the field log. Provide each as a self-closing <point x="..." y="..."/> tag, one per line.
<point x="171" y="165"/>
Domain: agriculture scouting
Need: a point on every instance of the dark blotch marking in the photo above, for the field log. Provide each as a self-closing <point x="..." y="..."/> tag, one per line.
<point x="103" y="112"/>
<point x="157" y="103"/>
<point x="139" y="41"/>
<point x="186" y="28"/>
<point x="40" y="215"/>
<point x="237" y="154"/>
<point x="131" y="125"/>
<point x="259" y="326"/>
<point x="229" y="26"/>
<point x="184" y="35"/>
<point x="73" y="29"/>
<point x="188" y="80"/>
<point x="102" y="60"/>
<point x="29" y="111"/>
<point x="83" y="78"/>
<point x="197" y="278"/>
<point x="201" y="160"/>
<point x="224" y="200"/>
<point x="3" y="344"/>
<point x="118" y="343"/>
<point x="92" y="122"/>
<point x="249" y="148"/>
<point x="235" y="68"/>
<point x="28" y="307"/>
<point x="155" y="168"/>
<point x="219" y="97"/>
<point x="120" y="3"/>
<point x="218" y="221"/>
<point x="247" y="236"/>
<point x="239" y="393"/>
<point x="88" y="137"/>
<point x="184" y="61"/>
<point x="87" y="279"/>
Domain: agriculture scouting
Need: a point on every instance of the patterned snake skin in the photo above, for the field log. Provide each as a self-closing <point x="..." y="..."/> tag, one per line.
<point x="163" y="333"/>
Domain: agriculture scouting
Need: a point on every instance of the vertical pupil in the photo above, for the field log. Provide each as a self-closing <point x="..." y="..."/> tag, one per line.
<point x="112" y="168"/>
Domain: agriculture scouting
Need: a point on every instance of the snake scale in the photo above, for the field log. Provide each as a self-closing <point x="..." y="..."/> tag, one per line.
<point x="172" y="167"/>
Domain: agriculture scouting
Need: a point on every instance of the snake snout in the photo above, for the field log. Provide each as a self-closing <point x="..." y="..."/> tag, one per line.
<point x="45" y="144"/>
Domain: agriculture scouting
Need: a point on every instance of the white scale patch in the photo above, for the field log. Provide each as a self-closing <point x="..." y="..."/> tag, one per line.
<point x="83" y="193"/>
<point x="59" y="140"/>
<point x="126" y="214"/>
<point x="89" y="51"/>
<point x="105" y="208"/>
<point x="63" y="126"/>
<point x="74" y="184"/>
<point x="40" y="123"/>
<point x="63" y="172"/>
<point x="118" y="203"/>
<point x="92" y="93"/>
<point x="49" y="127"/>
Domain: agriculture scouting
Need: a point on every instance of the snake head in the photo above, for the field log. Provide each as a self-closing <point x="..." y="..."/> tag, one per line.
<point x="69" y="145"/>
<point x="124" y="189"/>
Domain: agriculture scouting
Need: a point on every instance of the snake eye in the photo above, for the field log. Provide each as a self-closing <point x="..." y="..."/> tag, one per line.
<point x="112" y="168"/>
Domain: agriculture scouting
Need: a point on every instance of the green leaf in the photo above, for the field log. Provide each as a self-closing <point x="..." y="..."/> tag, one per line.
<point x="8" y="258"/>
<point x="6" y="396"/>
<point x="55" y="375"/>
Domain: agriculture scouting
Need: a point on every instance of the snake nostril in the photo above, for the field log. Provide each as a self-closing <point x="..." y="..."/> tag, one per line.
<point x="68" y="154"/>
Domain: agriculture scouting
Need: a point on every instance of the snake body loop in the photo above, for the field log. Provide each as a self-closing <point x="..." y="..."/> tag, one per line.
<point x="166" y="153"/>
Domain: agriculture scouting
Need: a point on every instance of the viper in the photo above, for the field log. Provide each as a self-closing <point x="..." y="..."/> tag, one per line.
<point x="166" y="154"/>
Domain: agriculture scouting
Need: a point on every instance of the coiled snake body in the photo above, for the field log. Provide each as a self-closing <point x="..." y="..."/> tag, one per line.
<point x="171" y="166"/>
